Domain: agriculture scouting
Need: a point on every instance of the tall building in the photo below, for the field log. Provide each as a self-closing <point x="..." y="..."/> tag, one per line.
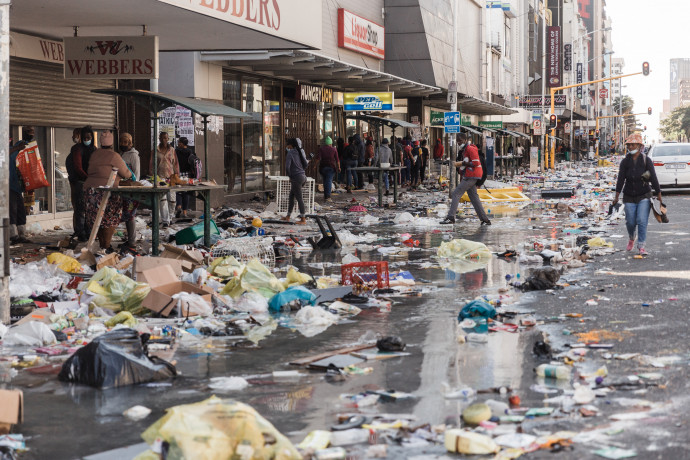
<point x="680" y="70"/>
<point x="617" y="65"/>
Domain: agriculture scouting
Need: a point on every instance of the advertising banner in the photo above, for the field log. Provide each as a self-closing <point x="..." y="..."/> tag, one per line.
<point x="436" y="118"/>
<point x="491" y="124"/>
<point x="535" y="102"/>
<point x="568" y="57"/>
<point x="368" y="102"/>
<point x="553" y="56"/>
<point x="578" y="75"/>
<point x="111" y="57"/>
<point x="358" y="34"/>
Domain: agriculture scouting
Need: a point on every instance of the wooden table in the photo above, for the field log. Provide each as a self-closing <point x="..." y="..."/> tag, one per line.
<point x="380" y="184"/>
<point x="150" y="197"/>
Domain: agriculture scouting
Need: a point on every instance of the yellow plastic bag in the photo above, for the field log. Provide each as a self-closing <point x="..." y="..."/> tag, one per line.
<point x="217" y="429"/>
<point x="66" y="263"/>
<point x="464" y="249"/>
<point x="226" y="267"/>
<point x="256" y="278"/>
<point x="598" y="242"/>
<point x="124" y="317"/>
<point x="295" y="278"/>
<point x="116" y="292"/>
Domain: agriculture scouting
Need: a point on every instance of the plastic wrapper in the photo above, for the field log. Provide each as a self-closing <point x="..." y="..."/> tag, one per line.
<point x="477" y="308"/>
<point x="66" y="263"/>
<point x="295" y="278"/>
<point x="304" y="295"/>
<point x="464" y="249"/>
<point x="311" y="321"/>
<point x="31" y="169"/>
<point x="226" y="267"/>
<point x="255" y="278"/>
<point x="190" y="304"/>
<point x="252" y="302"/>
<point x="114" y="291"/>
<point x="123" y="317"/>
<point x="31" y="334"/>
<point x="36" y="278"/>
<point x="218" y="429"/>
<point x="228" y="384"/>
<point x="115" y="359"/>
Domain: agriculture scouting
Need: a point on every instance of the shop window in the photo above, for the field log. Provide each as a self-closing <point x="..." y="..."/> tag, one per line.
<point x="62" y="147"/>
<point x="272" y="133"/>
<point x="252" y="134"/>
<point x="232" y="130"/>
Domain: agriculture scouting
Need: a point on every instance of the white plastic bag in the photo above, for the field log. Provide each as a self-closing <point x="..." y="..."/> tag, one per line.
<point x="228" y="384"/>
<point x="189" y="304"/>
<point x="31" y="334"/>
<point x="252" y="302"/>
<point x="403" y="218"/>
<point x="311" y="321"/>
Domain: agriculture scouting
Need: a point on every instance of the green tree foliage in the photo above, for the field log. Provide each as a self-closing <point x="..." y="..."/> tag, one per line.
<point x="676" y="126"/>
<point x="627" y="104"/>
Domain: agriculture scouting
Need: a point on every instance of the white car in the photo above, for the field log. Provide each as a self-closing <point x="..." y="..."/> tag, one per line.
<point x="672" y="163"/>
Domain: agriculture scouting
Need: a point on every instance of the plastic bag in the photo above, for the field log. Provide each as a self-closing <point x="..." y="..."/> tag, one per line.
<point x="124" y="317"/>
<point x="216" y="428"/>
<point x="31" y="334"/>
<point x="252" y="302"/>
<point x="477" y="308"/>
<point x="255" y="278"/>
<point x="226" y="267"/>
<point x="599" y="242"/>
<point x="190" y="304"/>
<point x="36" y="278"/>
<point x="295" y="278"/>
<point x="116" y="292"/>
<point x="311" y="321"/>
<point x="390" y="343"/>
<point x="464" y="249"/>
<point x="294" y="293"/>
<point x="228" y="384"/>
<point x="66" y="263"/>
<point x="115" y="359"/>
<point x="31" y="168"/>
<point x="403" y="218"/>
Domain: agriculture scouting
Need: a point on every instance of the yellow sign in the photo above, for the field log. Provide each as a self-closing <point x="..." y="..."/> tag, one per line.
<point x="375" y="102"/>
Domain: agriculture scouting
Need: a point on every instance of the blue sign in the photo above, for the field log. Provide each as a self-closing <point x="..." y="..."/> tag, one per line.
<point x="451" y="122"/>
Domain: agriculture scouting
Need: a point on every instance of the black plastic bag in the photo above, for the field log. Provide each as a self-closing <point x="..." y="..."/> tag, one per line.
<point x="390" y="343"/>
<point x="541" y="279"/>
<point x="115" y="359"/>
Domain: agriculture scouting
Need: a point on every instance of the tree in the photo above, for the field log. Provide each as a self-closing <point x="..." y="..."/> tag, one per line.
<point x="676" y="125"/>
<point x="627" y="103"/>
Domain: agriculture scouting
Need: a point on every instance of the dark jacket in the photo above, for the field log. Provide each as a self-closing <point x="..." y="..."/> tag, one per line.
<point x="75" y="164"/>
<point x="630" y="180"/>
<point x="361" y="149"/>
<point x="183" y="159"/>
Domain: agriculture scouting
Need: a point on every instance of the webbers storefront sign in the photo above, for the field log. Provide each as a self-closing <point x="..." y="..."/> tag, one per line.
<point x="133" y="57"/>
<point x="368" y="102"/>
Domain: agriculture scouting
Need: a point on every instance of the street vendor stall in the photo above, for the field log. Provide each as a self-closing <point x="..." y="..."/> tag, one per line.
<point x="150" y="197"/>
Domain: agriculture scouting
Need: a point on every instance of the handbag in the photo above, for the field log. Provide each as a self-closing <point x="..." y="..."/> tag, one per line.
<point x="659" y="210"/>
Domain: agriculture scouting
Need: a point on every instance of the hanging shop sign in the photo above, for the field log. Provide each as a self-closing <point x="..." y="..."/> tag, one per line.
<point x="535" y="102"/>
<point x="368" y="102"/>
<point x="491" y="124"/>
<point x="111" y="57"/>
<point x="358" y="34"/>
<point x="567" y="57"/>
<point x="436" y="118"/>
<point x="311" y="93"/>
<point x="553" y="56"/>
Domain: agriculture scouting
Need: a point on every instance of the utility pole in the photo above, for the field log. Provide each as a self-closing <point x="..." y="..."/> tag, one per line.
<point x="543" y="84"/>
<point x="454" y="101"/>
<point x="4" y="158"/>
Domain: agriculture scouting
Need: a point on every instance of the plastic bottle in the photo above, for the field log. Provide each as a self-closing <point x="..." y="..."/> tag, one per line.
<point x="498" y="408"/>
<point x="554" y="372"/>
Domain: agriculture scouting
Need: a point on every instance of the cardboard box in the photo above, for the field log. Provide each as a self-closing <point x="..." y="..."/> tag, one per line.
<point x="164" y="284"/>
<point x="11" y="409"/>
<point x="40" y="314"/>
<point x="141" y="264"/>
<point x="108" y="260"/>
<point x="191" y="258"/>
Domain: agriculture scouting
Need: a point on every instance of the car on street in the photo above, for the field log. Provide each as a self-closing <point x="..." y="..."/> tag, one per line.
<point x="672" y="163"/>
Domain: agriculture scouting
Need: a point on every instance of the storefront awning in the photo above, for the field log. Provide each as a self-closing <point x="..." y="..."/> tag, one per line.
<point x="483" y="128"/>
<point x="151" y="100"/>
<point x="513" y="133"/>
<point x="471" y="130"/>
<point x="181" y="25"/>
<point x="390" y="122"/>
<point x="576" y="115"/>
<point x="480" y="107"/>
<point x="317" y="69"/>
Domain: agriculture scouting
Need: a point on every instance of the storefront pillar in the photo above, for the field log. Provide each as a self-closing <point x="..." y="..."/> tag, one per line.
<point x="4" y="157"/>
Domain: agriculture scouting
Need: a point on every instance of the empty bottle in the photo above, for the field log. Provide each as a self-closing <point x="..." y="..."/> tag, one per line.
<point x="553" y="371"/>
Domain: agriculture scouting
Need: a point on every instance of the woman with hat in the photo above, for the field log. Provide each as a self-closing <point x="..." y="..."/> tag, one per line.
<point x="634" y="178"/>
<point x="101" y="164"/>
<point x="329" y="165"/>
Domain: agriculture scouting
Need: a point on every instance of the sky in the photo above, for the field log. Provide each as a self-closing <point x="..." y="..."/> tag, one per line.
<point x="654" y="31"/>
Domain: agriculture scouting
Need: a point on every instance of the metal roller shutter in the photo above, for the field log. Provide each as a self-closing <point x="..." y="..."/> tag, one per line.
<point x="40" y="96"/>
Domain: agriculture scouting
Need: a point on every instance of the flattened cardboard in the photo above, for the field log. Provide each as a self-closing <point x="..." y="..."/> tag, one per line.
<point x="142" y="264"/>
<point x="191" y="258"/>
<point x="164" y="284"/>
<point x="108" y="260"/>
<point x="11" y="409"/>
<point x="39" y="314"/>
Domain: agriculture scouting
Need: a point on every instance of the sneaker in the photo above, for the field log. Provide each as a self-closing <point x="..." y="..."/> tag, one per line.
<point x="301" y="221"/>
<point x="448" y="220"/>
<point x="643" y="252"/>
<point x="630" y="245"/>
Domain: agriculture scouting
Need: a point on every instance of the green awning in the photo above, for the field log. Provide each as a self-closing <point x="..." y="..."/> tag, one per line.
<point x="155" y="102"/>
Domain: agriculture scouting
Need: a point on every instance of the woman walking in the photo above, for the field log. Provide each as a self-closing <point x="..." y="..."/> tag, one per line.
<point x="295" y="165"/>
<point x="101" y="164"/>
<point x="634" y="178"/>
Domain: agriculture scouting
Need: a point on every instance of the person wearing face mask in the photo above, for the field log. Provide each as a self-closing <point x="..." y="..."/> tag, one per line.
<point x="16" y="201"/>
<point x="76" y="177"/>
<point x="635" y="175"/>
<point x="130" y="156"/>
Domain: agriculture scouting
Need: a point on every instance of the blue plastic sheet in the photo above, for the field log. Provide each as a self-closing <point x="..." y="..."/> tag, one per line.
<point x="294" y="293"/>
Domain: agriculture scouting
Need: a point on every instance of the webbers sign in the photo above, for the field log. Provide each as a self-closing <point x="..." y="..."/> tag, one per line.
<point x="111" y="57"/>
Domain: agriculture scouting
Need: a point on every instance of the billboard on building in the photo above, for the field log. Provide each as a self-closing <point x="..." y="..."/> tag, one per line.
<point x="553" y="56"/>
<point x="359" y="34"/>
<point x="111" y="57"/>
<point x="536" y="102"/>
<point x="674" y="76"/>
<point x="368" y="102"/>
<point x="586" y="11"/>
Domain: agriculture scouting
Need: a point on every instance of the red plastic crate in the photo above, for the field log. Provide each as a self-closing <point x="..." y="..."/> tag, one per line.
<point x="374" y="274"/>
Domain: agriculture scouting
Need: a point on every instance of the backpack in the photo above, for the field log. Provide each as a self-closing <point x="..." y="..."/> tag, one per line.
<point x="69" y="165"/>
<point x="481" y="181"/>
<point x="194" y="166"/>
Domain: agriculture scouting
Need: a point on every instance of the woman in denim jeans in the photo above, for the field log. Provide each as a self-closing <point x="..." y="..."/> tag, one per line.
<point x="295" y="165"/>
<point x="634" y="178"/>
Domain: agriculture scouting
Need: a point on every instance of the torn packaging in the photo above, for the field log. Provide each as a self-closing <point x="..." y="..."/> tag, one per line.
<point x="164" y="284"/>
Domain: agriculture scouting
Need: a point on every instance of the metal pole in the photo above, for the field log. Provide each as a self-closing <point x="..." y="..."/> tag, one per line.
<point x="155" y="218"/>
<point x="544" y="163"/>
<point x="454" y="105"/>
<point x="207" y="201"/>
<point x="4" y="155"/>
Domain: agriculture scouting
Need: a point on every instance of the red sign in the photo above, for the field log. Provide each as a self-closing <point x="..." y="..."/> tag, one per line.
<point x="603" y="93"/>
<point x="361" y="35"/>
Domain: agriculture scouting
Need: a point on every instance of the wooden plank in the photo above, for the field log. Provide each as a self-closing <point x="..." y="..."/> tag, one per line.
<point x="328" y="354"/>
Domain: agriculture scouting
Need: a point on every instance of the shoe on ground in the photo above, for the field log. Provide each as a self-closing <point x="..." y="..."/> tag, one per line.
<point x="486" y="222"/>
<point x="643" y="252"/>
<point x="301" y="221"/>
<point x="285" y="219"/>
<point x="448" y="220"/>
<point x="630" y="245"/>
<point x="21" y="239"/>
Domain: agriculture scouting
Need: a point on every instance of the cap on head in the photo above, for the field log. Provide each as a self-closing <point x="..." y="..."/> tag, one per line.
<point x="416" y="143"/>
<point x="384" y="141"/>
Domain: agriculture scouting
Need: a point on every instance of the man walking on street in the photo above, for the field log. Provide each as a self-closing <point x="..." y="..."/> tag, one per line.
<point x="471" y="170"/>
<point x="385" y="157"/>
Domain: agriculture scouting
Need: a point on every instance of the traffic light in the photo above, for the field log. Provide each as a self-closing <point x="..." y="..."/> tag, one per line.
<point x="596" y="133"/>
<point x="645" y="128"/>
<point x="553" y="121"/>
<point x="645" y="68"/>
<point x="649" y="111"/>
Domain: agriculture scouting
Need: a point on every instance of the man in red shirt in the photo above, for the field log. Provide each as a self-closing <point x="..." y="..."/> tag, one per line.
<point x="471" y="170"/>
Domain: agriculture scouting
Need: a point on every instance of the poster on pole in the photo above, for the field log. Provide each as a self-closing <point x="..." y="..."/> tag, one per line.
<point x="553" y="56"/>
